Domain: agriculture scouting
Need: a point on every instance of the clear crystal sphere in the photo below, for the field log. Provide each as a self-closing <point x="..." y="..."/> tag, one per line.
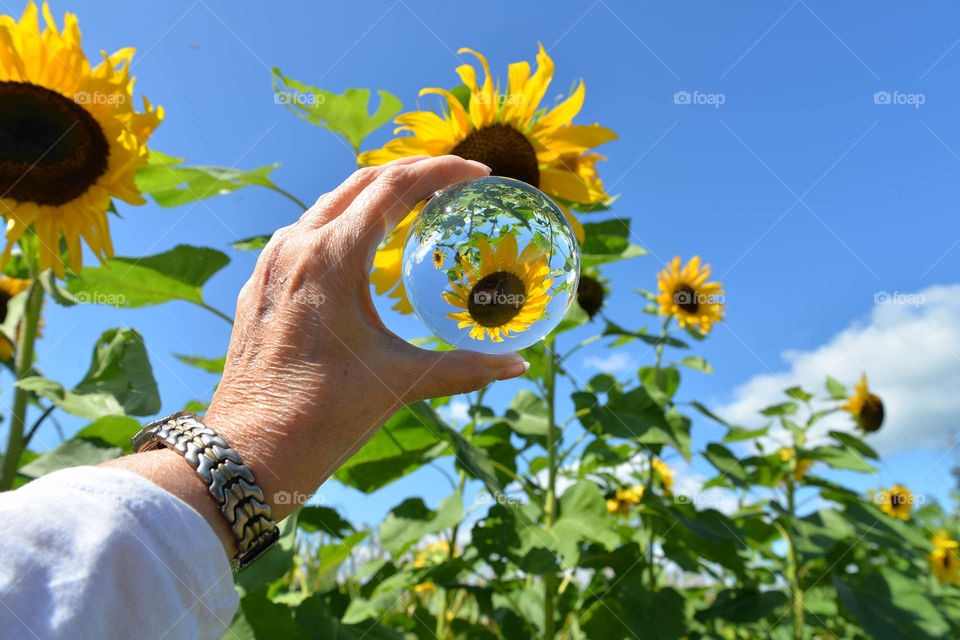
<point x="491" y="264"/>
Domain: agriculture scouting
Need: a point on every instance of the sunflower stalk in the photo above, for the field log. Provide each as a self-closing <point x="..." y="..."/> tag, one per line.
<point x="793" y="566"/>
<point x="652" y="564"/>
<point x="23" y="364"/>
<point x="550" y="506"/>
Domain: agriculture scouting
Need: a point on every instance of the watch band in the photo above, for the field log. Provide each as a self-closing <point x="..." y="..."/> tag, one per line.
<point x="230" y="482"/>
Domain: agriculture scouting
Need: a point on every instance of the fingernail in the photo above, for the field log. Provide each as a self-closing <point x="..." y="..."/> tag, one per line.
<point x="480" y="165"/>
<point x="514" y="370"/>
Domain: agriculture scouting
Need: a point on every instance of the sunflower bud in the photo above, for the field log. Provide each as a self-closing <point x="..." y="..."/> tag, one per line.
<point x="590" y="295"/>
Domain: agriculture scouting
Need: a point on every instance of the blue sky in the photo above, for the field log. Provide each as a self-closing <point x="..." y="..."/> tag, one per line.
<point x="807" y="195"/>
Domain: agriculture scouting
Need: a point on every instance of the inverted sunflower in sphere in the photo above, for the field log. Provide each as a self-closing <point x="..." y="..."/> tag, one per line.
<point x="509" y="132"/>
<point x="70" y="139"/>
<point x="686" y="294"/>
<point x="503" y="292"/>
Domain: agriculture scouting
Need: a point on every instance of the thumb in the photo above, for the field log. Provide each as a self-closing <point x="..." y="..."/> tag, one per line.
<point x="446" y="373"/>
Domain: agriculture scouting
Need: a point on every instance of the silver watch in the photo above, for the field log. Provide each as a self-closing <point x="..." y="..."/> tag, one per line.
<point x="230" y="482"/>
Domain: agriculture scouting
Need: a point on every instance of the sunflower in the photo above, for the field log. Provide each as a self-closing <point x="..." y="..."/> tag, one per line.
<point x="437" y="259"/>
<point x="686" y="294"/>
<point x="897" y="502"/>
<point x="666" y="475"/>
<point x="590" y="294"/>
<point x="9" y="287"/>
<point x="504" y="293"/>
<point x="620" y="501"/>
<point x="509" y="132"/>
<point x="435" y="553"/>
<point x="944" y="561"/>
<point x="866" y="407"/>
<point x="70" y="139"/>
<point x="801" y="466"/>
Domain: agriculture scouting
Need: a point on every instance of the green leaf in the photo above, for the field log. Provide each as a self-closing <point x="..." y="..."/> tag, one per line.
<point x="213" y="365"/>
<point x="253" y="243"/>
<point x="840" y="458"/>
<point x="782" y="409"/>
<point x="72" y="453"/>
<point x="855" y="443"/>
<point x="115" y="431"/>
<point x="260" y="619"/>
<point x="118" y="382"/>
<point x="662" y="614"/>
<point x="527" y="414"/>
<point x="743" y="605"/>
<point x="608" y="241"/>
<point x="583" y="517"/>
<point x="727" y="464"/>
<point x="669" y="379"/>
<point x="836" y="390"/>
<point x="798" y="393"/>
<point x="891" y="606"/>
<point x="696" y="363"/>
<point x="345" y="114"/>
<point x="178" y="274"/>
<point x="325" y="520"/>
<point x="171" y="183"/>
<point x="411" y="521"/>
<point x="275" y="563"/>
<point x="625" y="336"/>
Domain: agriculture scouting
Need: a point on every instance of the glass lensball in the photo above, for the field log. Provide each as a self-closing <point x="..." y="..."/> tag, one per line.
<point x="491" y="264"/>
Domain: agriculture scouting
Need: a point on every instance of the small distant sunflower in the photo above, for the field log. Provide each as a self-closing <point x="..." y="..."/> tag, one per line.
<point x="944" y="561"/>
<point x="435" y="553"/>
<point x="801" y="466"/>
<point x="509" y="132"/>
<point x="866" y="407"/>
<point x="590" y="294"/>
<point x="686" y="294"/>
<point x="620" y="501"/>
<point x="666" y="475"/>
<point x="9" y="287"/>
<point x="897" y="502"/>
<point x="437" y="259"/>
<point x="70" y="140"/>
<point x="504" y="293"/>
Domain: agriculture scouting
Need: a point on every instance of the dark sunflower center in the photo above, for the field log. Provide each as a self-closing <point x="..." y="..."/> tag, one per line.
<point x="496" y="299"/>
<point x="685" y="297"/>
<point x="898" y="500"/>
<point x="51" y="148"/>
<point x="4" y="300"/>
<point x="590" y="295"/>
<point x="871" y="414"/>
<point x="505" y="150"/>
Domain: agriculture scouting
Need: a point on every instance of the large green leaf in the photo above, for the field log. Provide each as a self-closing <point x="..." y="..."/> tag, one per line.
<point x="743" y="605"/>
<point x="178" y="274"/>
<point x="527" y="414"/>
<point x="891" y="606"/>
<point x="841" y="458"/>
<point x="211" y="365"/>
<point x="118" y="382"/>
<point x="72" y="453"/>
<point x="658" y="614"/>
<point x="727" y="464"/>
<point x="608" y="241"/>
<point x="583" y="517"/>
<point x="345" y="114"/>
<point x="412" y="520"/>
<point x="171" y="183"/>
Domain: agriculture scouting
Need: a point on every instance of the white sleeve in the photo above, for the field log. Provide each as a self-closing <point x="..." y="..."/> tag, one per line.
<point x="97" y="552"/>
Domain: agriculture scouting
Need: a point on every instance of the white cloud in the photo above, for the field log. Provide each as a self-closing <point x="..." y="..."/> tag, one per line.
<point x="457" y="411"/>
<point x="909" y="348"/>
<point x="617" y="362"/>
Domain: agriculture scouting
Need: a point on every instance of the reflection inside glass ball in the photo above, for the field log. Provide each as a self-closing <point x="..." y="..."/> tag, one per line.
<point x="491" y="264"/>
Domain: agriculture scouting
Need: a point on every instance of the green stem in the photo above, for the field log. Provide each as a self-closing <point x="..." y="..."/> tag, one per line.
<point x="292" y="197"/>
<point x="660" y="343"/>
<point x="550" y="506"/>
<point x="216" y="312"/>
<point x="23" y="365"/>
<point x="793" y="564"/>
<point x="652" y="565"/>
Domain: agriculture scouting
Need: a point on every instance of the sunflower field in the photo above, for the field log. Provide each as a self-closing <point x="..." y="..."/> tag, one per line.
<point x="562" y="517"/>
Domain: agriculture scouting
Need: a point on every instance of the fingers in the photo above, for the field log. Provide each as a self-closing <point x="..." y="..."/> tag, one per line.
<point x="389" y="198"/>
<point x="332" y="204"/>
<point x="433" y="374"/>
